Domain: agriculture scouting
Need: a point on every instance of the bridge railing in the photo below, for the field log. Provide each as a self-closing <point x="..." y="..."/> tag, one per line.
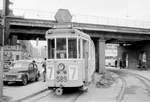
<point x="127" y="22"/>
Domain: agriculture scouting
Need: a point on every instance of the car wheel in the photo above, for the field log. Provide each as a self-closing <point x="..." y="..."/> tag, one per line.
<point x="24" y="80"/>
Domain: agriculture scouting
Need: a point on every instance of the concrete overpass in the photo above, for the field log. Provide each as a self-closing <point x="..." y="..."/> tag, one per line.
<point x="27" y="27"/>
<point x="133" y="41"/>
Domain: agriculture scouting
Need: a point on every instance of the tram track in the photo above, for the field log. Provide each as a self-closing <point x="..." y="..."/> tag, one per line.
<point x="121" y="93"/>
<point x="120" y="96"/>
<point x="144" y="80"/>
<point x="124" y="88"/>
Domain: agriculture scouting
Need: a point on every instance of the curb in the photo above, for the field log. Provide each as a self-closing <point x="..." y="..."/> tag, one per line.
<point x="29" y="96"/>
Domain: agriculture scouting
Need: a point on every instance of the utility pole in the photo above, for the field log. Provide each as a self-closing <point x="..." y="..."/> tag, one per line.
<point x="4" y="14"/>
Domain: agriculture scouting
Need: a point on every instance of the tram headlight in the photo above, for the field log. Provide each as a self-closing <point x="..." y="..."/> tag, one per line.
<point x="61" y="66"/>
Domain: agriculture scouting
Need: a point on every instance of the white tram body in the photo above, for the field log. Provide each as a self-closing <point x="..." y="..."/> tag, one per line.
<point x="70" y="58"/>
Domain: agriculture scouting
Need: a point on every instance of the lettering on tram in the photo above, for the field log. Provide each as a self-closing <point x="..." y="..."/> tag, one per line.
<point x="71" y="59"/>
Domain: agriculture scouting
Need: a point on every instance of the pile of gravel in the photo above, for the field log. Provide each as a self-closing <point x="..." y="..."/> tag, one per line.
<point x="103" y="80"/>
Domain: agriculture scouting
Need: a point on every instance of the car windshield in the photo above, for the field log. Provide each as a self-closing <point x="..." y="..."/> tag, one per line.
<point x="21" y="65"/>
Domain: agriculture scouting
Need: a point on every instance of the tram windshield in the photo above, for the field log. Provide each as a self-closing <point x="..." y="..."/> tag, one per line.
<point x="62" y="48"/>
<point x="72" y="48"/>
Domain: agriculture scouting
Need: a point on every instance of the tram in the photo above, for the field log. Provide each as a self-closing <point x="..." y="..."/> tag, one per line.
<point x="70" y="59"/>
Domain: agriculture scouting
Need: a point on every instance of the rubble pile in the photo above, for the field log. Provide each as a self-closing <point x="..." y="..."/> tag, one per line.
<point x="103" y="80"/>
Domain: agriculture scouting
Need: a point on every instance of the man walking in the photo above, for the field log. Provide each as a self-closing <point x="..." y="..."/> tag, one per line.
<point x="44" y="70"/>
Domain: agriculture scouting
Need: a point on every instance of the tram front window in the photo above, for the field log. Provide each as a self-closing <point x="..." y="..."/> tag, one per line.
<point x="61" y="48"/>
<point x="72" y="48"/>
<point x="51" y="46"/>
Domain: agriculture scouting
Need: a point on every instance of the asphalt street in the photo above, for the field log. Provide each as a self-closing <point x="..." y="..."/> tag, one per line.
<point x="134" y="91"/>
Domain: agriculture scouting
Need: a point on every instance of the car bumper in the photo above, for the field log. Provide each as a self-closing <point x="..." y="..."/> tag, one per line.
<point x="12" y="80"/>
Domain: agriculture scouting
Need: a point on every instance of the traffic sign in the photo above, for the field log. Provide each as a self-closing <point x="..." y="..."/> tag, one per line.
<point x="63" y="15"/>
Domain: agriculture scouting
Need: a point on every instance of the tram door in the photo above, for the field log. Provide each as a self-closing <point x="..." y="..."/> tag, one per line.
<point x="85" y="57"/>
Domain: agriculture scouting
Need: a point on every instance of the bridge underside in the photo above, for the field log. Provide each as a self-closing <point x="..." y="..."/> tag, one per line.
<point x="133" y="41"/>
<point x="32" y="33"/>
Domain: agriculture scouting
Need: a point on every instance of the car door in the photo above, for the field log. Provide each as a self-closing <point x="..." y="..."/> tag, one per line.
<point x="35" y="70"/>
<point x="31" y="71"/>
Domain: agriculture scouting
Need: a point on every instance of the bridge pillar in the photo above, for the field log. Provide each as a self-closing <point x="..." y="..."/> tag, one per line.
<point x="101" y="55"/>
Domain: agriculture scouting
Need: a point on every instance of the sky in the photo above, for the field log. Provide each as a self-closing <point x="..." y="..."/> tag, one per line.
<point x="138" y="10"/>
<point x="132" y="9"/>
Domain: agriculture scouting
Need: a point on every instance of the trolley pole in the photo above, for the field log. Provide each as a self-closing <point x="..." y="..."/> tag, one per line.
<point x="2" y="49"/>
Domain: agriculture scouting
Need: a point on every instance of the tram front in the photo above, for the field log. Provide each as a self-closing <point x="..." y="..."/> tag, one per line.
<point x="64" y="64"/>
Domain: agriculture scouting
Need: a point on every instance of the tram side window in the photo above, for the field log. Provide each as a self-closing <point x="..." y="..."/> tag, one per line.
<point x="79" y="47"/>
<point x="85" y="49"/>
<point x="51" y="46"/>
<point x="61" y="48"/>
<point x="72" y="48"/>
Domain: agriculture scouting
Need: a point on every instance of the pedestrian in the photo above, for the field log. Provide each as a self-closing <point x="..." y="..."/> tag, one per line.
<point x="44" y="70"/>
<point x="124" y="64"/>
<point x="121" y="64"/>
<point x="34" y="63"/>
<point x="116" y="63"/>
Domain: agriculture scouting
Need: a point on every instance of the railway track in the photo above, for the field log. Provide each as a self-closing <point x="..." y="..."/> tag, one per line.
<point x="120" y="96"/>
<point x="121" y="93"/>
<point x="145" y="81"/>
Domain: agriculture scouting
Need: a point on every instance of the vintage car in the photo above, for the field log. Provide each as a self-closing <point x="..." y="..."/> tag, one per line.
<point x="22" y="71"/>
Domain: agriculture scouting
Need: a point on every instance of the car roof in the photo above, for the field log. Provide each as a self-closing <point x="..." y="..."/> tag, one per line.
<point x="23" y="61"/>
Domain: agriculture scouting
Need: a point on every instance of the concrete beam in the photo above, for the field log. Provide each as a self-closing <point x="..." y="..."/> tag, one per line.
<point x="81" y="26"/>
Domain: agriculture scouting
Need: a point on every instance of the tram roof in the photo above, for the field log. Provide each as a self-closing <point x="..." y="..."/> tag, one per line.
<point x="67" y="32"/>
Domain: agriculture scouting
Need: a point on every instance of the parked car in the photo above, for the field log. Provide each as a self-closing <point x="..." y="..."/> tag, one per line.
<point x="22" y="71"/>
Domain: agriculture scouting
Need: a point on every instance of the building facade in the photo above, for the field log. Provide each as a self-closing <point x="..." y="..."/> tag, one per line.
<point x="110" y="54"/>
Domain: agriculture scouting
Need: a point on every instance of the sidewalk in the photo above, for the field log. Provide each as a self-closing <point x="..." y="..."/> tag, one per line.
<point x="11" y="95"/>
